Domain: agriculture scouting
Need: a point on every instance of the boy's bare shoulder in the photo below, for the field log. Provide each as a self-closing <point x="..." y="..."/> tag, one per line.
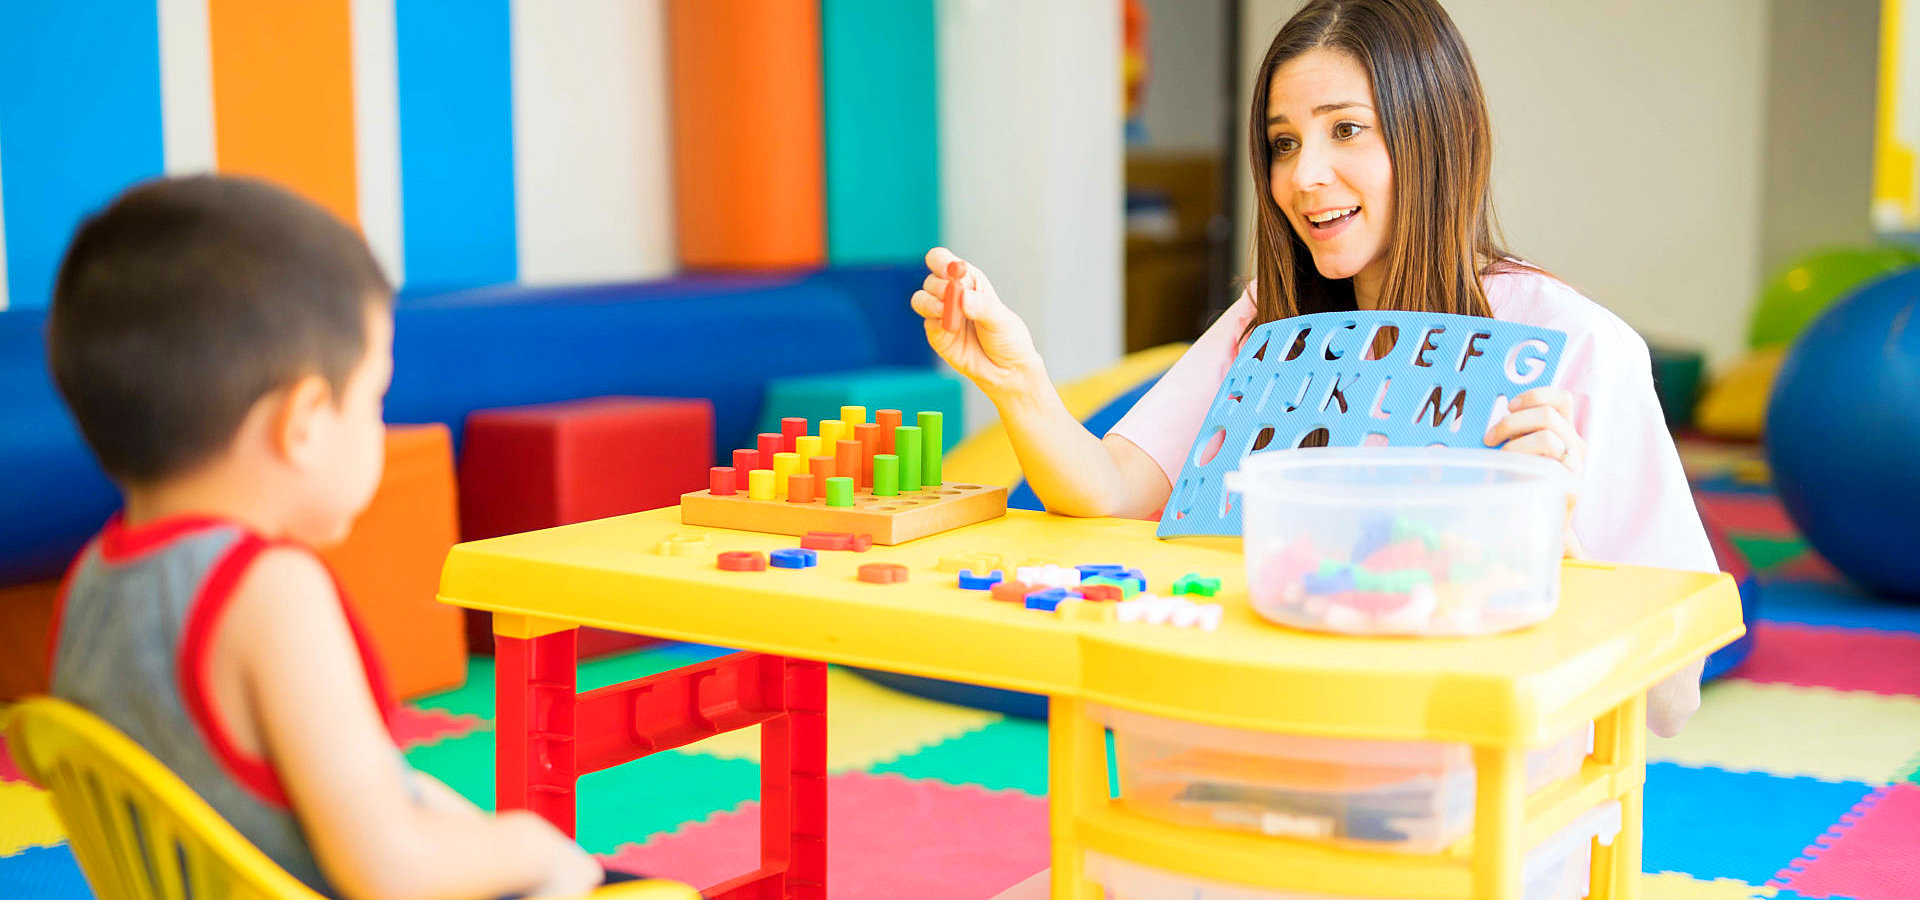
<point x="286" y="591"/>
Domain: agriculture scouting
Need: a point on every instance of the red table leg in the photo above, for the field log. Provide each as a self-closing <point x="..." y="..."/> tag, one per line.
<point x="548" y="735"/>
<point x="534" y="702"/>
<point x="793" y="784"/>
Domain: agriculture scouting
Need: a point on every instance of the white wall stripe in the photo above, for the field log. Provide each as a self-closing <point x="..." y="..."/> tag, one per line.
<point x="376" y="131"/>
<point x="1031" y="168"/>
<point x="591" y="182"/>
<point x="186" y="86"/>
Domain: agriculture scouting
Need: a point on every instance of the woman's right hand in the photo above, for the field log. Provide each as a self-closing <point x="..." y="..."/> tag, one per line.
<point x="992" y="346"/>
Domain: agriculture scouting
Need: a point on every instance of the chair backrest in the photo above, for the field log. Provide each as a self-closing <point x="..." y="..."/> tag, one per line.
<point x="138" y="831"/>
<point x="141" y="834"/>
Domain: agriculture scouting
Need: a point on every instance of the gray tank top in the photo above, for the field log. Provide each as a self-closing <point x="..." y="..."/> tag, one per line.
<point x="134" y="625"/>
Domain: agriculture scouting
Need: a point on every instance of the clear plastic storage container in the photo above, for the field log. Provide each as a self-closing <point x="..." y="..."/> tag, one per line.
<point x="1402" y="540"/>
<point x="1405" y="796"/>
<point x="1557" y="869"/>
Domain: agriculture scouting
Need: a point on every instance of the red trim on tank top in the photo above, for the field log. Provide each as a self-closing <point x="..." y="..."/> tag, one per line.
<point x="120" y="543"/>
<point x="251" y="772"/>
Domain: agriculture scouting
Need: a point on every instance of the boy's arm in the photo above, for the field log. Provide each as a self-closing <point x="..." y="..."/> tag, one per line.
<point x="323" y="736"/>
<point x="436" y="795"/>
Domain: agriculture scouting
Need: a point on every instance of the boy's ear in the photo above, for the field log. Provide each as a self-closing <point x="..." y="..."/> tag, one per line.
<point x="295" y="416"/>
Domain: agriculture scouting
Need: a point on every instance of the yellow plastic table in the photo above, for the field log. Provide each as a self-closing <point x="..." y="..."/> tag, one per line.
<point x="1619" y="630"/>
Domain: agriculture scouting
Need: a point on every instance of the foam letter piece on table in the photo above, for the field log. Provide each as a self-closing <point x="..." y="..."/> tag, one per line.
<point x="883" y="573"/>
<point x="972" y="582"/>
<point x="1048" y="576"/>
<point x="1011" y="591"/>
<point x="742" y="561"/>
<point x="1194" y="583"/>
<point x="1048" y="600"/>
<point x="1441" y="383"/>
<point x="794" y="558"/>
<point x="389" y="565"/>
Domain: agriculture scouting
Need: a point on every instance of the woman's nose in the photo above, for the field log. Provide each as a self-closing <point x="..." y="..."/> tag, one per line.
<point x="1311" y="167"/>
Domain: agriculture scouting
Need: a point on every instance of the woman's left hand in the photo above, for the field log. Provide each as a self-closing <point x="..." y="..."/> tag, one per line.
<point x="1540" y="422"/>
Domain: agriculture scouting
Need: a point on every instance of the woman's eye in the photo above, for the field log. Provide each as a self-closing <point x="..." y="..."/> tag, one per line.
<point x="1346" y="130"/>
<point x="1283" y="145"/>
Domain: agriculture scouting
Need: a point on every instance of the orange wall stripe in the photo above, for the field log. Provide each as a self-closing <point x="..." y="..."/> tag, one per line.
<point x="283" y="96"/>
<point x="749" y="161"/>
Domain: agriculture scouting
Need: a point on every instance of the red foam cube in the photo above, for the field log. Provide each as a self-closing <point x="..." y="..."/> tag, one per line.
<point x="530" y="467"/>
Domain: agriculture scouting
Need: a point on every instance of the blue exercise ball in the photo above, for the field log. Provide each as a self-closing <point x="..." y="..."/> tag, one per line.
<point x="1843" y="434"/>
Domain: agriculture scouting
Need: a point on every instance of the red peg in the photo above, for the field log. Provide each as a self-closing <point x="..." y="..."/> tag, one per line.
<point x="791" y="427"/>
<point x="720" y="481"/>
<point x="744" y="461"/>
<point x="769" y="445"/>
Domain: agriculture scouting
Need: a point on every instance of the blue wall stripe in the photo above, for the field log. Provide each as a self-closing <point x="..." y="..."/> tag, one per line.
<point x="456" y="142"/>
<point x="79" y="121"/>
<point x="882" y="115"/>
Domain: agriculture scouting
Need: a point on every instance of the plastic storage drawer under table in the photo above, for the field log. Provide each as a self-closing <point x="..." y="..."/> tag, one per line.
<point x="1557" y="869"/>
<point x="1405" y="796"/>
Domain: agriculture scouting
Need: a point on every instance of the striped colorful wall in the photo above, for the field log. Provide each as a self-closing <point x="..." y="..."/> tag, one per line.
<point x="490" y="141"/>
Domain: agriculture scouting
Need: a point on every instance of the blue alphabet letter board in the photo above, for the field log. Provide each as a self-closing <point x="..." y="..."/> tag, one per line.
<point x="1441" y="383"/>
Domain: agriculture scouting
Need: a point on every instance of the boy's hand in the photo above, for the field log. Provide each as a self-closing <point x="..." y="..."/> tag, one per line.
<point x="573" y="873"/>
<point x="992" y="346"/>
<point x="1539" y="422"/>
<point x="1673" y="701"/>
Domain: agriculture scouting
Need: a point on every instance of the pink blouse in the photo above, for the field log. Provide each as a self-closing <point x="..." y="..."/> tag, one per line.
<point x="1634" y="503"/>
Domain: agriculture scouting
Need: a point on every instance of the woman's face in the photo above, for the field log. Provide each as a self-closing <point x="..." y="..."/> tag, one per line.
<point x="1330" y="173"/>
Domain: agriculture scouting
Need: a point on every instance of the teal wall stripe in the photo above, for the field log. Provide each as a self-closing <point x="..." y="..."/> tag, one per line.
<point x="882" y="129"/>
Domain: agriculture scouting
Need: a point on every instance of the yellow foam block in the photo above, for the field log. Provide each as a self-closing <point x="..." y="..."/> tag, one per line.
<point x="1675" y="886"/>
<point x="1788" y="731"/>
<point x="1735" y="405"/>
<point x="866" y="725"/>
<point x="27" y="819"/>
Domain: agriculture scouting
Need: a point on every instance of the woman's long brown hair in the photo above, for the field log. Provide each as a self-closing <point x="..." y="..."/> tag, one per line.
<point x="1433" y="117"/>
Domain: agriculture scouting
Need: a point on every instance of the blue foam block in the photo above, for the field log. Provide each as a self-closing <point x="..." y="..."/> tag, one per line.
<point x="1810" y="603"/>
<point x="1711" y="823"/>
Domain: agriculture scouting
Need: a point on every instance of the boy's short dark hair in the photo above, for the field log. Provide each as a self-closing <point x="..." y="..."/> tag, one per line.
<point x="187" y="300"/>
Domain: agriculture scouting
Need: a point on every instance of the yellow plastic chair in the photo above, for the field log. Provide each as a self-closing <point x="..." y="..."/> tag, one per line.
<point x="141" y="834"/>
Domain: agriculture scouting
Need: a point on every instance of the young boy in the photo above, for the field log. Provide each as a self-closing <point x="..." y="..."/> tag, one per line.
<point x="225" y="346"/>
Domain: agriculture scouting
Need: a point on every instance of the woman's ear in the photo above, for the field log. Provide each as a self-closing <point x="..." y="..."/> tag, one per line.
<point x="296" y="417"/>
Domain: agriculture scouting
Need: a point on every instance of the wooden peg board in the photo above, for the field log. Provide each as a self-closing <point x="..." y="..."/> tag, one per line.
<point x="890" y="520"/>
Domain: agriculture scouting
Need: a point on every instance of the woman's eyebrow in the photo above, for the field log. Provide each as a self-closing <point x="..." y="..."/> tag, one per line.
<point x="1320" y="110"/>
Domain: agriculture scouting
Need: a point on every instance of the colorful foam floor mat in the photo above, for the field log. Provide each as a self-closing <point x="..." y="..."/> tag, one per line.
<point x="1800" y="778"/>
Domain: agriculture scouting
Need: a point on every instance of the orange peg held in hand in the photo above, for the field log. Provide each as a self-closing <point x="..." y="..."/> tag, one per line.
<point x="952" y="302"/>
